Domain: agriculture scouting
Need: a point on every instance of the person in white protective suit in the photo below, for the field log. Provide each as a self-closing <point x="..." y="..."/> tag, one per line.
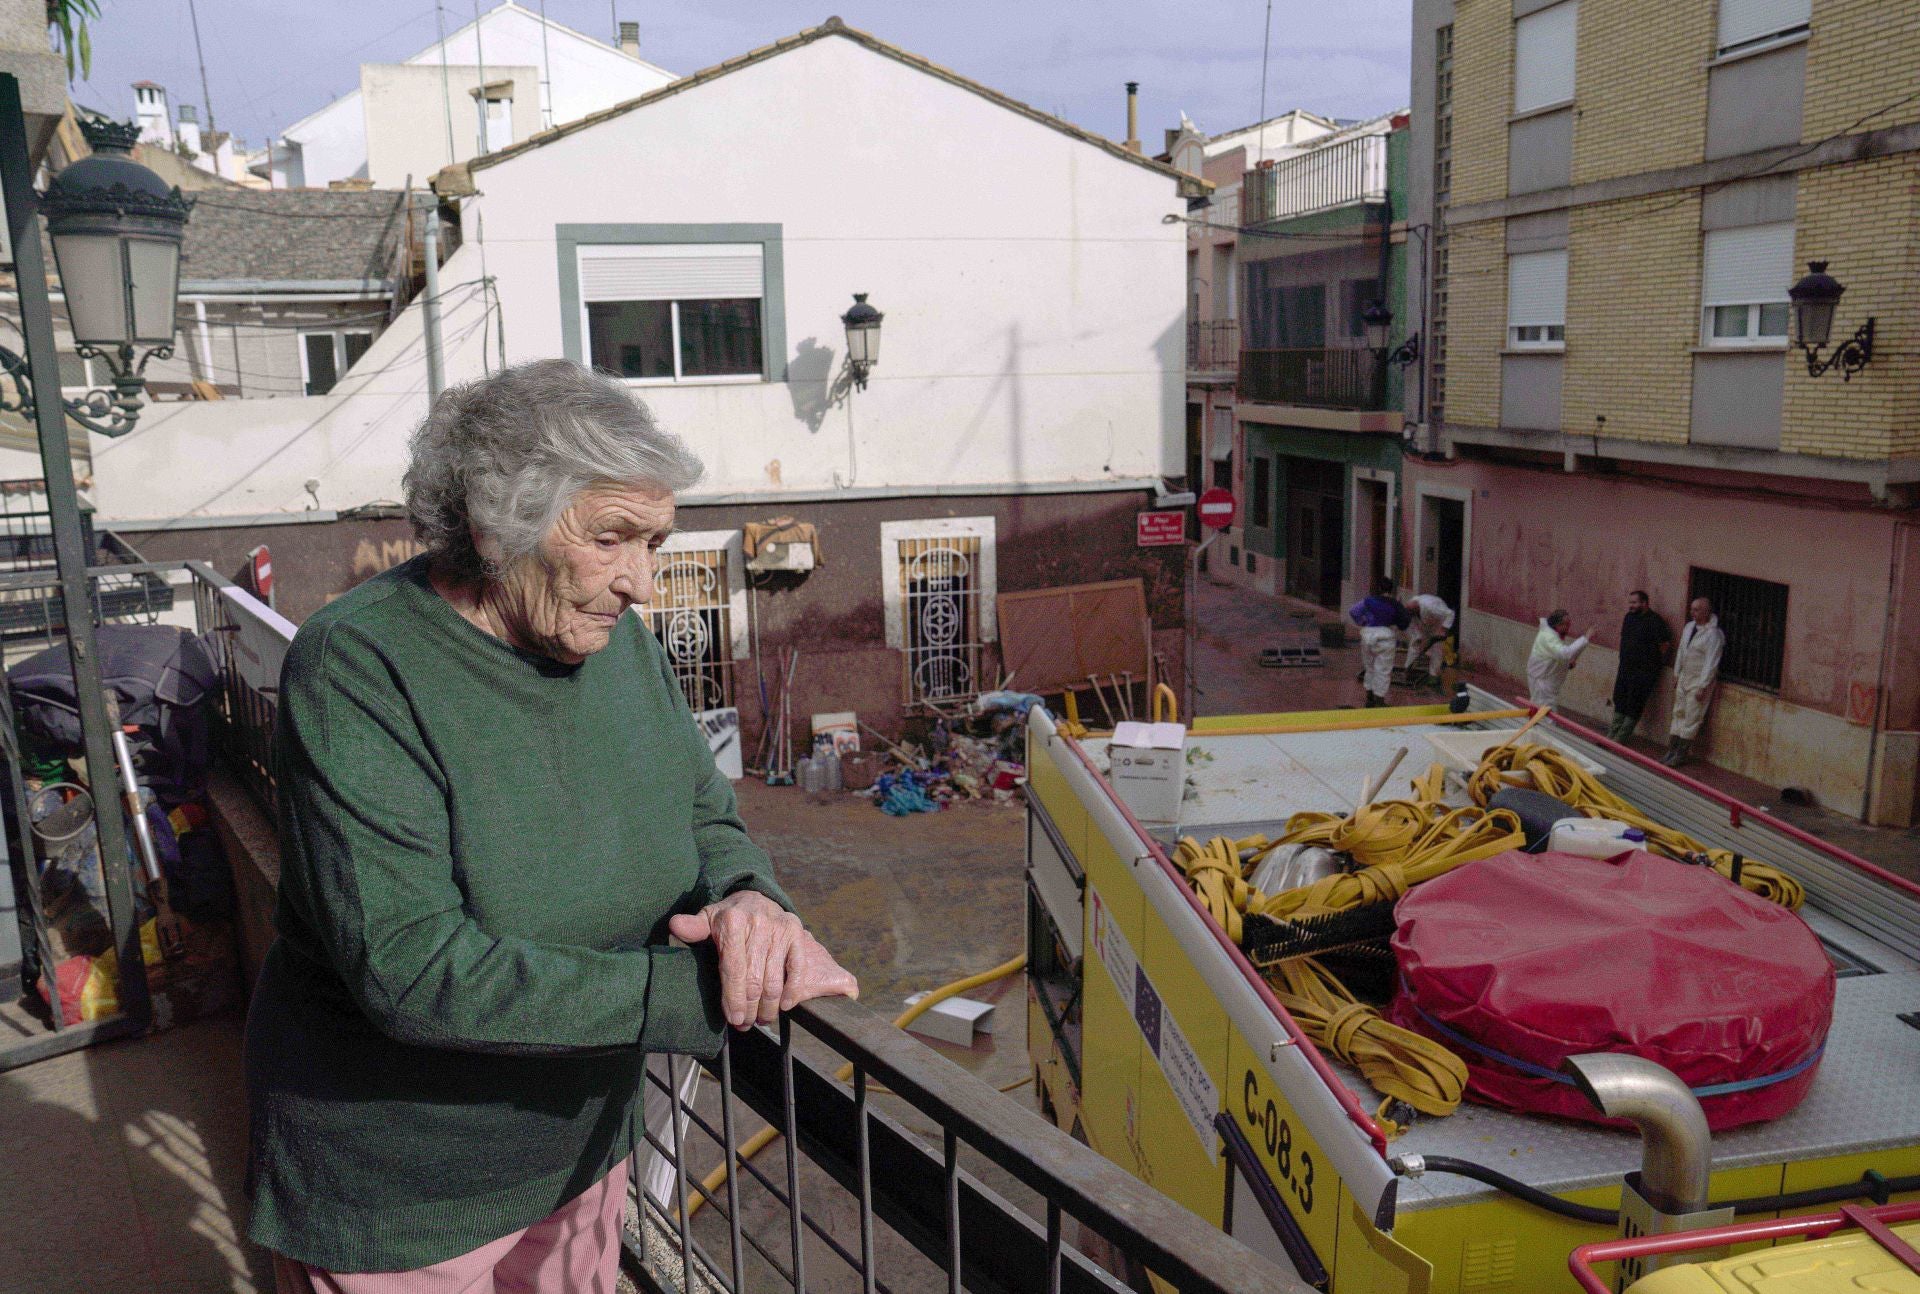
<point x="1552" y="658"/>
<point x="1427" y="636"/>
<point x="1696" y="666"/>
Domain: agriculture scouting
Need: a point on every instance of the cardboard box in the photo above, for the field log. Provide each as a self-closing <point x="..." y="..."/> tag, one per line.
<point x="1147" y="764"/>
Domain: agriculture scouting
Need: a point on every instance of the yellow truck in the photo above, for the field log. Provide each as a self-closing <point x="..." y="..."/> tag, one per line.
<point x="1157" y="1040"/>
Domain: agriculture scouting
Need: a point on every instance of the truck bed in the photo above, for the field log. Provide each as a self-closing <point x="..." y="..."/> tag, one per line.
<point x="1867" y="1094"/>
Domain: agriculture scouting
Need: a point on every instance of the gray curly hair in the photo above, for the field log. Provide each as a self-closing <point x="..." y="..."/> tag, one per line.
<point x="504" y="456"/>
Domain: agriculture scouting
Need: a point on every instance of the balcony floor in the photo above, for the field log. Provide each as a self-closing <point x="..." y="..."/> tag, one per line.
<point x="124" y="1167"/>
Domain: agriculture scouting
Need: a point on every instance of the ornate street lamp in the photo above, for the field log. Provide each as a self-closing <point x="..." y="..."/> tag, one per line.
<point x="116" y="230"/>
<point x="863" y="338"/>
<point x="1814" y="299"/>
<point x="1379" y="322"/>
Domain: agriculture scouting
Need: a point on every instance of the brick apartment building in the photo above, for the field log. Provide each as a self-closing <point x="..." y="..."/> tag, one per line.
<point x="1621" y="193"/>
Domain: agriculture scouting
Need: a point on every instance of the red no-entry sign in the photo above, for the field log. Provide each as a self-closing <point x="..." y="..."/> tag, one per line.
<point x="1216" y="508"/>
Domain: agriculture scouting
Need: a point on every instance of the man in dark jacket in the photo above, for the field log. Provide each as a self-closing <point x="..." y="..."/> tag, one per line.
<point x="1645" y="644"/>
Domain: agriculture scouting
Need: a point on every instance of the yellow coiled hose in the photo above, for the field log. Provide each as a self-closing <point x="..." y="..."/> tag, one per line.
<point x="1400" y="1064"/>
<point x="1556" y="775"/>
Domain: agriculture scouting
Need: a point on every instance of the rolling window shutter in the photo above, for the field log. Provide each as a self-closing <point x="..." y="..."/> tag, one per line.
<point x="1543" y="57"/>
<point x="1222" y="447"/>
<point x="1748" y="266"/>
<point x="670" y="272"/>
<point x="1745" y="21"/>
<point x="1537" y="288"/>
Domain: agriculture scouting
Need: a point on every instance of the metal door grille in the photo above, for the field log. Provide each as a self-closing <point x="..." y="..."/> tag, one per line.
<point x="690" y="616"/>
<point x="940" y="589"/>
<point x="1753" y="615"/>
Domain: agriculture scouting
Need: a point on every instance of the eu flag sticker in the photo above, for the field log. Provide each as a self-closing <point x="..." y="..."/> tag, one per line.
<point x="1146" y="1008"/>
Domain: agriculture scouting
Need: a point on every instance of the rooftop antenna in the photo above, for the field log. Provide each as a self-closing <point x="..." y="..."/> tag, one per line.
<point x="613" y="11"/>
<point x="1266" y="43"/>
<point x="206" y="95"/>
<point x="546" y="71"/>
<point x="480" y="59"/>
<point x="446" y="86"/>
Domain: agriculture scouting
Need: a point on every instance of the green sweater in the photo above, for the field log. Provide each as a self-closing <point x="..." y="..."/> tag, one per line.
<point x="480" y="849"/>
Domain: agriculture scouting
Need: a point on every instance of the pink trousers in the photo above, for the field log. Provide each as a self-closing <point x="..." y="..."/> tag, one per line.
<point x="574" y="1250"/>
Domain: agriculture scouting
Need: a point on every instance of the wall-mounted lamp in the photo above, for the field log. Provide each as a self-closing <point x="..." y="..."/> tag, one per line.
<point x="863" y="338"/>
<point x="1379" y="322"/>
<point x="116" y="230"/>
<point x="1814" y="299"/>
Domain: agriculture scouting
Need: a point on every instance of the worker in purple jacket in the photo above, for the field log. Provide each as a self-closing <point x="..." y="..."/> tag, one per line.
<point x="1380" y="617"/>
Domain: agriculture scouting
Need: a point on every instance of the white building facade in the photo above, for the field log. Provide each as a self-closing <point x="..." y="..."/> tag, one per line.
<point x="1026" y="406"/>
<point x="522" y="72"/>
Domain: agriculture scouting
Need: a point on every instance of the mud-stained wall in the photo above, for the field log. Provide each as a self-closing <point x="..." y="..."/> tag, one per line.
<point x="834" y="616"/>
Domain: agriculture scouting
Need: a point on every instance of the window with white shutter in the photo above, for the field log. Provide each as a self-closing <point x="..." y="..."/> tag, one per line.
<point x="1745" y="23"/>
<point x="674" y="312"/>
<point x="1537" y="300"/>
<point x="1744" y="276"/>
<point x="1543" y="57"/>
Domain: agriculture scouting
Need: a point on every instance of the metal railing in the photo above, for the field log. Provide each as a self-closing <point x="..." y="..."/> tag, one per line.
<point x="868" y="1204"/>
<point x="1320" y="179"/>
<point x="124" y="586"/>
<point x="248" y="641"/>
<point x="1323" y="377"/>
<point x="1213" y="345"/>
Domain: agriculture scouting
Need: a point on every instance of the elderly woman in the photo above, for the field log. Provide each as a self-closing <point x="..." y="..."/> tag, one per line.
<point x="495" y="808"/>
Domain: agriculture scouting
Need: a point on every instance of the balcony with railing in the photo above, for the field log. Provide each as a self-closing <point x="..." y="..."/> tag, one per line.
<point x="1213" y="346"/>
<point x="1321" y="179"/>
<point x="1320" y="377"/>
<point x="889" y="1167"/>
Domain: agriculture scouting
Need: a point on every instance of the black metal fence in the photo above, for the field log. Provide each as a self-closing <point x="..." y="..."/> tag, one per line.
<point x="1322" y="377"/>
<point x="1213" y="345"/>
<point x="868" y="1204"/>
<point x="123" y="587"/>
<point x="246" y="704"/>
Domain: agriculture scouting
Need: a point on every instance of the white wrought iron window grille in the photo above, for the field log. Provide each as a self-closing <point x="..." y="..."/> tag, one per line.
<point x="940" y="613"/>
<point x="695" y="586"/>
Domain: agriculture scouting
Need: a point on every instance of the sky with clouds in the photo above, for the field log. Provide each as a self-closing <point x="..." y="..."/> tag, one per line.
<point x="271" y="62"/>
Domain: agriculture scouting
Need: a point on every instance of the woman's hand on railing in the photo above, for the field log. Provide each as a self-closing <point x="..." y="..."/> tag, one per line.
<point x="768" y="961"/>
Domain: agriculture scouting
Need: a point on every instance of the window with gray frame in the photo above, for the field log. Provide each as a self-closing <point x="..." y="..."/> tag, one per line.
<point x="1753" y="615"/>
<point x="673" y="312"/>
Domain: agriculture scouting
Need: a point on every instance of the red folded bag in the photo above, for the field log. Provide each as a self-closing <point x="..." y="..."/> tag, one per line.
<point x="1518" y="961"/>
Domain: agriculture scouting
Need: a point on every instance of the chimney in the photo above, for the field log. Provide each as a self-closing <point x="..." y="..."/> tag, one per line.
<point x="1133" y="117"/>
<point x="150" y="107"/>
<point x="187" y="127"/>
<point x="630" y="39"/>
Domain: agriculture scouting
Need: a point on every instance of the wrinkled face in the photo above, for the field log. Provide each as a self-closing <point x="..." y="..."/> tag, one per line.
<point x="595" y="564"/>
<point x="1635" y="602"/>
<point x="1701" y="611"/>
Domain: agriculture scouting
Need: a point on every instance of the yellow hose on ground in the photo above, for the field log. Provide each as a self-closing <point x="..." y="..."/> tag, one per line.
<point x="1556" y="775"/>
<point x="760" y="1140"/>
